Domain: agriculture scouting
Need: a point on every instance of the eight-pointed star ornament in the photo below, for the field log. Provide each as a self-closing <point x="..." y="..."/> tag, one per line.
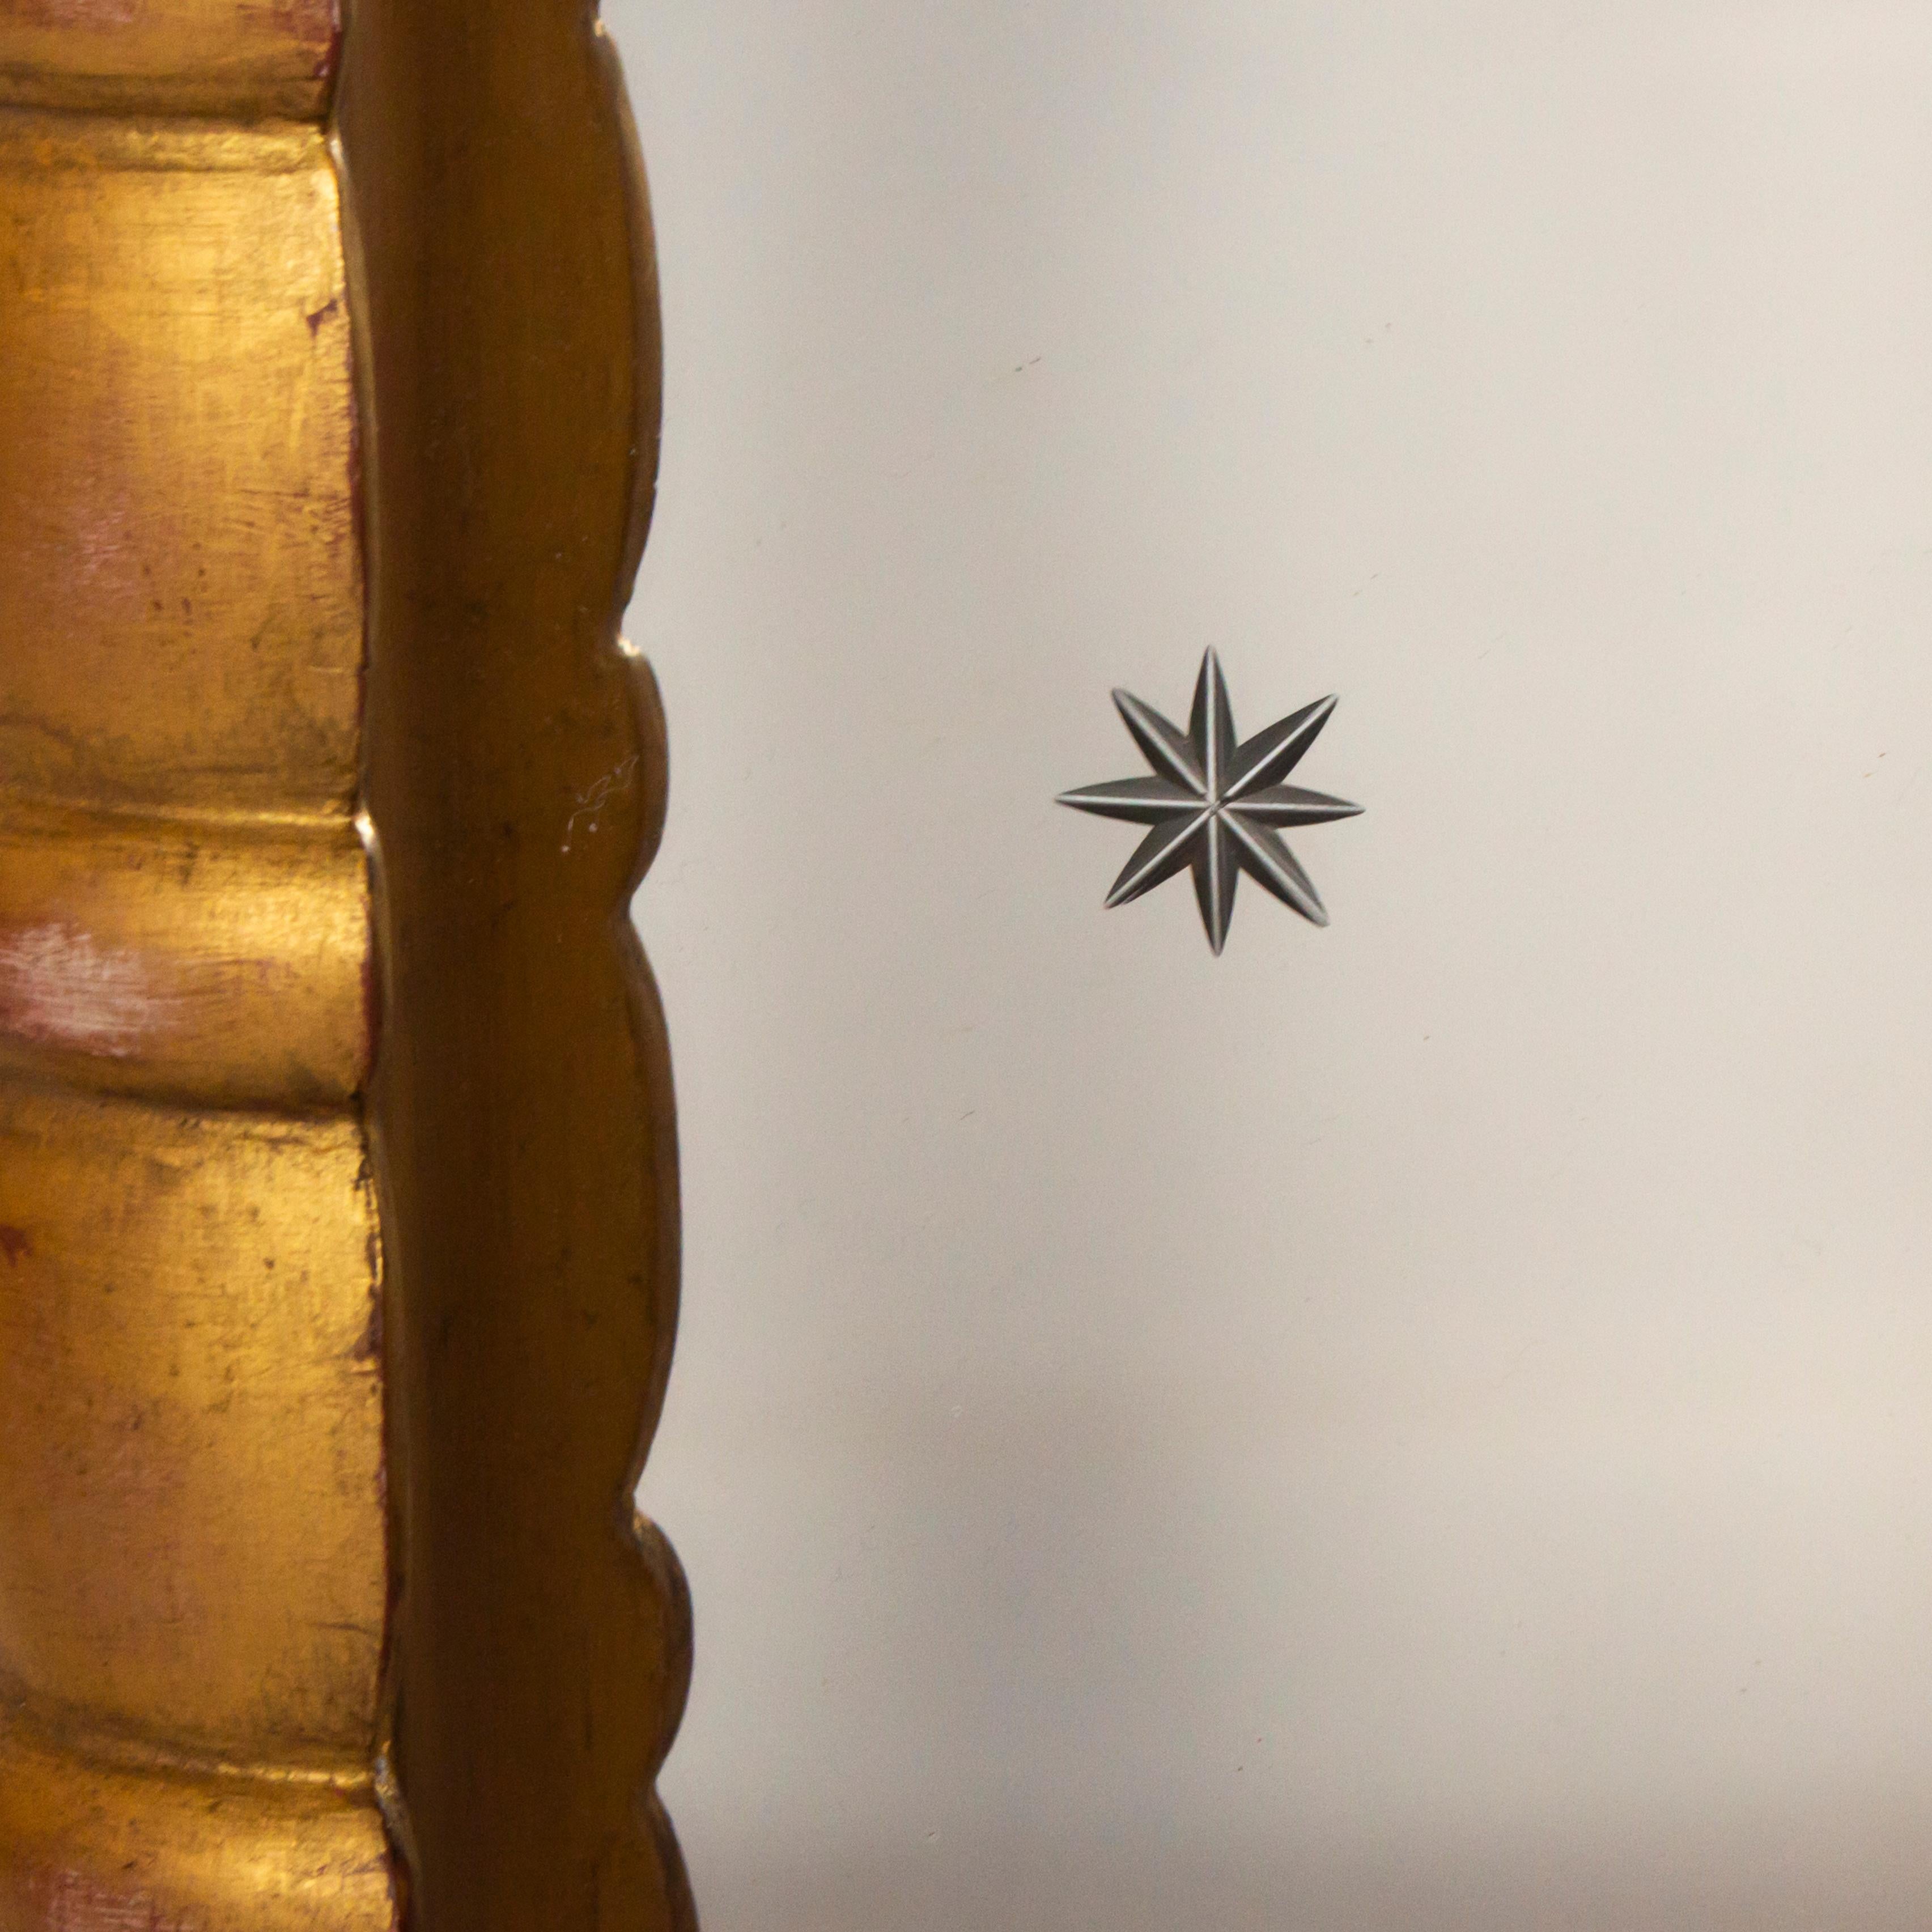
<point x="1215" y="805"/>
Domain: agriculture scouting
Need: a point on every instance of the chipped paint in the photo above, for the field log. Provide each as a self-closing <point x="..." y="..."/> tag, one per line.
<point x="590" y="803"/>
<point x="58" y="987"/>
<point x="95" y="16"/>
<point x="77" y="1902"/>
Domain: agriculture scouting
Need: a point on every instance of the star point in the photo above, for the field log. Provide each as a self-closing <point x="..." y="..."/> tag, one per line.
<point x="1216" y="804"/>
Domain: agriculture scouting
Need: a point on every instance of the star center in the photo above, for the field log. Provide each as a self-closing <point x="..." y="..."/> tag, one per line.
<point x="1215" y="805"/>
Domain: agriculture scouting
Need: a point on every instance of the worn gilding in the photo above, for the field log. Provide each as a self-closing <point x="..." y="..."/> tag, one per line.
<point x="243" y="58"/>
<point x="337" y="1213"/>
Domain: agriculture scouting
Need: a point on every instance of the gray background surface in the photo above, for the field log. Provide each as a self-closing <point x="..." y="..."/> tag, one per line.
<point x="1425" y="1424"/>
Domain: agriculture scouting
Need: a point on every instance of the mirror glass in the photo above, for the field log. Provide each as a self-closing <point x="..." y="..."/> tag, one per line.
<point x="1419" y="1424"/>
